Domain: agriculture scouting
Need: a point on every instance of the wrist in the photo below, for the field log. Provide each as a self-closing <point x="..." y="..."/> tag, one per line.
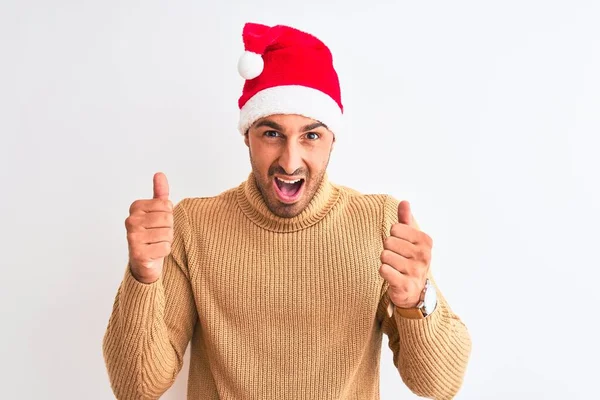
<point x="426" y="305"/>
<point x="147" y="280"/>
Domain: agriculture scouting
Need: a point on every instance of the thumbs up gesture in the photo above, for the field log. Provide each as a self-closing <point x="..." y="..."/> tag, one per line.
<point x="405" y="259"/>
<point x="150" y="232"/>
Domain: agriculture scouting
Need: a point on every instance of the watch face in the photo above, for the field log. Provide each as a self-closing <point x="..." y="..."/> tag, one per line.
<point x="430" y="300"/>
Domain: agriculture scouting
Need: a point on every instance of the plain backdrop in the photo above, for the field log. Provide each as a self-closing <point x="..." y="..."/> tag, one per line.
<point x="485" y="115"/>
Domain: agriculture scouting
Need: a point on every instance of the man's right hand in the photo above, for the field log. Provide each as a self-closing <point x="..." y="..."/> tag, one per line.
<point x="150" y="232"/>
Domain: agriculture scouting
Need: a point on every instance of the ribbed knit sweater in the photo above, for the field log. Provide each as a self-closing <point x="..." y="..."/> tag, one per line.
<point x="277" y="308"/>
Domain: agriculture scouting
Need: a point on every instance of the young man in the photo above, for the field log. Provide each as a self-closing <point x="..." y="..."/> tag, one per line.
<point x="286" y="283"/>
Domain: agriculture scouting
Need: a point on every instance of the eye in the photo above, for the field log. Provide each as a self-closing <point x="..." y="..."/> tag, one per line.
<point x="271" y="134"/>
<point x="312" y="136"/>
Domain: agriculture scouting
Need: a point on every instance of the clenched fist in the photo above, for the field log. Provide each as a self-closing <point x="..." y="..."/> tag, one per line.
<point x="405" y="259"/>
<point x="150" y="232"/>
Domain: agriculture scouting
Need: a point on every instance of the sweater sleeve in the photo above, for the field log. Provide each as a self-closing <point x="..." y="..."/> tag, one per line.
<point x="431" y="354"/>
<point x="151" y="324"/>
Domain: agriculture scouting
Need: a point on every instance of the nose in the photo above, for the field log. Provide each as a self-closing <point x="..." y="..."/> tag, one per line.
<point x="291" y="158"/>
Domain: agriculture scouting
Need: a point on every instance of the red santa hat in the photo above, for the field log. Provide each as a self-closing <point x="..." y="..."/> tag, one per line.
<point x="287" y="71"/>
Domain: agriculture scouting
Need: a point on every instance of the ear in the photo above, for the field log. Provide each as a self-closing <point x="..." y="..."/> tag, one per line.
<point x="246" y="139"/>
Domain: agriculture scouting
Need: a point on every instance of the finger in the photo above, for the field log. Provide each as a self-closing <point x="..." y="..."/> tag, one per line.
<point x="152" y="205"/>
<point x="391" y="275"/>
<point x="151" y="236"/>
<point x="140" y="222"/>
<point x="396" y="261"/>
<point x="158" y="220"/>
<point x="161" y="186"/>
<point x="144" y="253"/>
<point x="406" y="232"/>
<point x="157" y="250"/>
<point x="403" y="247"/>
<point x="404" y="213"/>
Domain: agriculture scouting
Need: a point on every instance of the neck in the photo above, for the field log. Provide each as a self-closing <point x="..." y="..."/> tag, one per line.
<point x="254" y="206"/>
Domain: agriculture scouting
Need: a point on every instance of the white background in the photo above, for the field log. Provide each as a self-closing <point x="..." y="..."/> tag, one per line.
<point x="485" y="115"/>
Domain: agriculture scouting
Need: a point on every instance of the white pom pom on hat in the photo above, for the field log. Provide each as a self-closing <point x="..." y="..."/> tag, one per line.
<point x="250" y="65"/>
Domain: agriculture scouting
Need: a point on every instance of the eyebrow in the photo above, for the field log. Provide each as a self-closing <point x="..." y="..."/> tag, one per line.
<point x="270" y="124"/>
<point x="314" y="126"/>
<point x="274" y="125"/>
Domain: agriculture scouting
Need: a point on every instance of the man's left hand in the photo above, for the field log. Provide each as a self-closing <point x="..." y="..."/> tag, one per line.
<point x="405" y="259"/>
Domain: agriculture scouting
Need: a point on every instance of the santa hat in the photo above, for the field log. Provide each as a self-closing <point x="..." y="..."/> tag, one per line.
<point x="287" y="71"/>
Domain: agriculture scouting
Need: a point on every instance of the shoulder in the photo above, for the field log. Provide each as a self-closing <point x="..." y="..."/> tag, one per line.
<point x="379" y="201"/>
<point x="385" y="203"/>
<point x="195" y="207"/>
<point x="379" y="206"/>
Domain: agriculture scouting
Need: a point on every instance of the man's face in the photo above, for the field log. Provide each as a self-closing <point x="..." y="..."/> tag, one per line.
<point x="289" y="155"/>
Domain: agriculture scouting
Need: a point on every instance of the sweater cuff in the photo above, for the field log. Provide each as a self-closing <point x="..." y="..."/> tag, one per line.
<point x="138" y="300"/>
<point x="423" y="327"/>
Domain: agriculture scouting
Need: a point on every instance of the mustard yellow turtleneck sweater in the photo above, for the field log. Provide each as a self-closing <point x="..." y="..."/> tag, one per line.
<point x="277" y="308"/>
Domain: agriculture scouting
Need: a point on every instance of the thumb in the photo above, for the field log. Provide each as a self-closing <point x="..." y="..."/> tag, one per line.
<point x="404" y="213"/>
<point x="161" y="186"/>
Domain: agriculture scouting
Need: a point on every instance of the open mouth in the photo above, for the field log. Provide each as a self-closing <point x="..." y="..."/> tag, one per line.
<point x="288" y="190"/>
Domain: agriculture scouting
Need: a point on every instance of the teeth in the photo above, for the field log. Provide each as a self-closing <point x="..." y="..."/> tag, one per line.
<point x="289" y="182"/>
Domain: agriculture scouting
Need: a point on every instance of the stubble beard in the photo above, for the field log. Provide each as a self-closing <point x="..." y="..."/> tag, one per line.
<point x="287" y="210"/>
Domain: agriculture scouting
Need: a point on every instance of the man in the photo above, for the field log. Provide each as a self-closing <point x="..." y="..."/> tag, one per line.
<point x="286" y="283"/>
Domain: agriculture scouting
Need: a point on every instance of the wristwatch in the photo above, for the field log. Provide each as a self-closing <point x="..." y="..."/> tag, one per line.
<point x="426" y="305"/>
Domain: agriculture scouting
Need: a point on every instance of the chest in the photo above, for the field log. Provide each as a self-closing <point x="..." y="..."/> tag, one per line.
<point x="310" y="277"/>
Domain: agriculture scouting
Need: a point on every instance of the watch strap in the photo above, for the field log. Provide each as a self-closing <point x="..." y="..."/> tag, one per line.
<point x="412" y="313"/>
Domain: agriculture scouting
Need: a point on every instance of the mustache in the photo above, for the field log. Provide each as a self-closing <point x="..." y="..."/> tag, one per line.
<point x="276" y="169"/>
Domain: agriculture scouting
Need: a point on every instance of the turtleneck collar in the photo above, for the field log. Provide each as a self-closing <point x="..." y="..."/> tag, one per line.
<point x="254" y="207"/>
